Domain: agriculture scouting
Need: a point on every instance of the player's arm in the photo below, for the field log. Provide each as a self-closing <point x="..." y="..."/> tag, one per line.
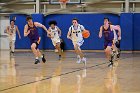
<point x="7" y="30"/>
<point x="115" y="36"/>
<point x="42" y="26"/>
<point x="82" y="27"/>
<point x="119" y="32"/>
<point x="18" y="32"/>
<point x="117" y="27"/>
<point x="100" y="32"/>
<point x="69" y="33"/>
<point x="49" y="35"/>
<point x="26" y="31"/>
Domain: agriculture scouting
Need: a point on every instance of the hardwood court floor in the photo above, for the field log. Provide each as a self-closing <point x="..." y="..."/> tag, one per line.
<point x="19" y="74"/>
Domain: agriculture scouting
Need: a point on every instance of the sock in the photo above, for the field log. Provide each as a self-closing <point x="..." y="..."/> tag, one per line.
<point x="83" y="58"/>
<point x="41" y="56"/>
<point x="36" y="58"/>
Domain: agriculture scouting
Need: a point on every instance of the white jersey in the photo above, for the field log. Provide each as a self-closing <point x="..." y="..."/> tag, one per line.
<point x="76" y="33"/>
<point x="115" y="35"/>
<point x="13" y="31"/>
<point x="54" y="33"/>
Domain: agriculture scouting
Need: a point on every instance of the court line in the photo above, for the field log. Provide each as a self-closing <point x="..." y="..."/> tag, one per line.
<point x="56" y="76"/>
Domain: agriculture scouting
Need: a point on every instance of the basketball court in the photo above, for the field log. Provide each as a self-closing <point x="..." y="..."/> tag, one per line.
<point x="19" y="74"/>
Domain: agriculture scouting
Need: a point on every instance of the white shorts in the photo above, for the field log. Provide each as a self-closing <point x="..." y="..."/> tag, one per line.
<point x="55" y="41"/>
<point x="79" y="43"/>
<point x="13" y="37"/>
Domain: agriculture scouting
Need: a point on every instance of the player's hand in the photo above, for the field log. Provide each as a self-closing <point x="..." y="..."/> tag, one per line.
<point x="100" y="35"/>
<point x="70" y="38"/>
<point x="28" y="32"/>
<point x="19" y="37"/>
<point x="119" y="38"/>
<point x="51" y="37"/>
<point x="10" y="33"/>
<point x="49" y="32"/>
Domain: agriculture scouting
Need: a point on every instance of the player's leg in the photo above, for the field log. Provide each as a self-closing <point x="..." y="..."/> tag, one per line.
<point x="40" y="54"/>
<point x="118" y="48"/>
<point x="59" y="49"/>
<point x="10" y="44"/>
<point x="13" y="46"/>
<point x="34" y="50"/>
<point x="79" y="53"/>
<point x="109" y="55"/>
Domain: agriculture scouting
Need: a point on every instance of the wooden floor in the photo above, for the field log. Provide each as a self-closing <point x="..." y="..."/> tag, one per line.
<point x="19" y="74"/>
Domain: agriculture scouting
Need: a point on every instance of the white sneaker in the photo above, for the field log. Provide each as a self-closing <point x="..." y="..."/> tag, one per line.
<point x="84" y="61"/>
<point x="79" y="61"/>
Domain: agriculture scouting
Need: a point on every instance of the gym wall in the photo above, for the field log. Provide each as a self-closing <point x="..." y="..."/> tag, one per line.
<point x="129" y="24"/>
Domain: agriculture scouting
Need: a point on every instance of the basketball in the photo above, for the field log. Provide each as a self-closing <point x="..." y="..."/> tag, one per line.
<point x="85" y="33"/>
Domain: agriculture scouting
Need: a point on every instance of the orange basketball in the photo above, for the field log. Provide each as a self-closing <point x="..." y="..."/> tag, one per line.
<point x="85" y="33"/>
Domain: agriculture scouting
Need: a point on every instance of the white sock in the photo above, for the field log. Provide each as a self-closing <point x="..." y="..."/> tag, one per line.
<point x="83" y="58"/>
<point x="36" y="58"/>
<point x="41" y="56"/>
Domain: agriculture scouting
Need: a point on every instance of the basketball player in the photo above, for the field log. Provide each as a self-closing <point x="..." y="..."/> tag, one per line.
<point x="55" y="36"/>
<point x="11" y="30"/>
<point x="107" y="31"/>
<point x="75" y="34"/>
<point x="117" y="43"/>
<point x="31" y="31"/>
<point x="117" y="39"/>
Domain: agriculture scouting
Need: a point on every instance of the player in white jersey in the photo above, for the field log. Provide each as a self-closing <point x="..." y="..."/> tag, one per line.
<point x="75" y="34"/>
<point x="117" y="39"/>
<point x="55" y="36"/>
<point x="11" y="30"/>
<point x="117" y="36"/>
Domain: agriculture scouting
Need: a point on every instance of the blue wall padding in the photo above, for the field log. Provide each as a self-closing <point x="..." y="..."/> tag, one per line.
<point x="126" y="22"/>
<point x="129" y="24"/>
<point x="40" y="18"/>
<point x="24" y="42"/>
<point x="92" y="22"/>
<point x="136" y="31"/>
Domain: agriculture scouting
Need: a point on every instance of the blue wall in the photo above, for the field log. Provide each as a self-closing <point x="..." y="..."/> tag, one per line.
<point x="126" y="23"/>
<point x="136" y="31"/>
<point x="92" y="22"/>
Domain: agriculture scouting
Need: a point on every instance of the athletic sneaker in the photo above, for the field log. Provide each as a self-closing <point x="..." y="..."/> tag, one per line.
<point x="113" y="56"/>
<point x="37" y="61"/>
<point x="78" y="61"/>
<point x="43" y="59"/>
<point x="110" y="64"/>
<point x="84" y="61"/>
<point x="111" y="59"/>
<point x="12" y="53"/>
<point x="118" y="55"/>
<point x="59" y="57"/>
